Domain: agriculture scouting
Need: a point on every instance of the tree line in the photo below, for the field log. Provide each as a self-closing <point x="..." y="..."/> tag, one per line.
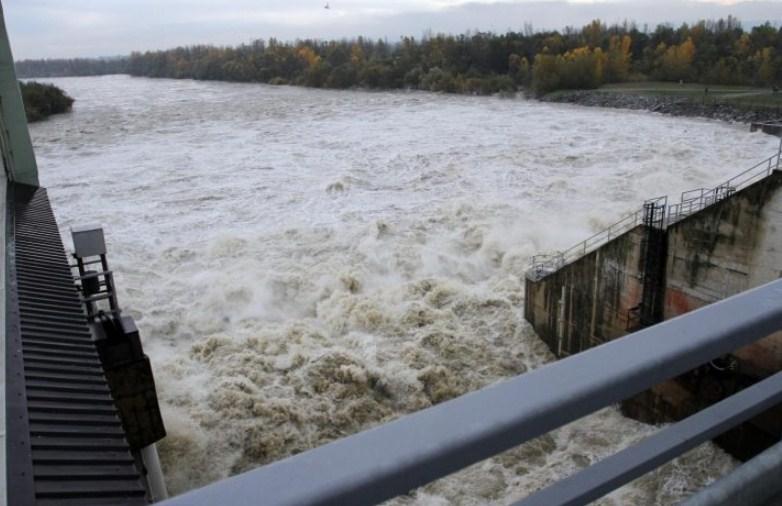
<point x="709" y="52"/>
<point x="61" y="67"/>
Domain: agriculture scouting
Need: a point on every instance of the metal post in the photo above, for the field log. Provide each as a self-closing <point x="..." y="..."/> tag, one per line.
<point x="561" y="322"/>
<point x="595" y="481"/>
<point x="17" y="148"/>
<point x="155" y="480"/>
<point x="754" y="483"/>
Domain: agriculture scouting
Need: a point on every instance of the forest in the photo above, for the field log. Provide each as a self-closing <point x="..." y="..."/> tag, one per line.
<point x="708" y="52"/>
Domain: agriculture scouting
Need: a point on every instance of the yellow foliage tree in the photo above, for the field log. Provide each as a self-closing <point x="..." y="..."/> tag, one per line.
<point x="618" y="58"/>
<point x="545" y="72"/>
<point x="580" y="68"/>
<point x="675" y="63"/>
<point x="593" y="33"/>
<point x="307" y="54"/>
<point x="518" y="68"/>
<point x="766" y="68"/>
<point x="743" y="46"/>
<point x="356" y="54"/>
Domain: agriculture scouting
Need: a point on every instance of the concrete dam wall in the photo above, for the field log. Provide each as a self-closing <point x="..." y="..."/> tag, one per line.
<point x="654" y="272"/>
<point x="589" y="301"/>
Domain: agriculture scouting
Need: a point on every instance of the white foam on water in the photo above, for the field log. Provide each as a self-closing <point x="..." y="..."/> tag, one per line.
<point x="304" y="264"/>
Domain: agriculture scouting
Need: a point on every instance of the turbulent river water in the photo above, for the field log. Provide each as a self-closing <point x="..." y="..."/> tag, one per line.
<point x="304" y="264"/>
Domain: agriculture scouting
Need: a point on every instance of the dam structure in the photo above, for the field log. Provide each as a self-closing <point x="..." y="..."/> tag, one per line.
<point x="80" y="418"/>
<point x="662" y="261"/>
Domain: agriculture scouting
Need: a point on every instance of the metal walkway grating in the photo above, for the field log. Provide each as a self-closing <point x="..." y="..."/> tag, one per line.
<point x="66" y="444"/>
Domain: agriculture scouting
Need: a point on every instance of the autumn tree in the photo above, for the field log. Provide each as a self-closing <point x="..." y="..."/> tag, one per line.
<point x="580" y="68"/>
<point x="545" y="73"/>
<point x="675" y="62"/>
<point x="711" y="51"/>
<point x="618" y="58"/>
<point x="766" y="69"/>
<point x="518" y="69"/>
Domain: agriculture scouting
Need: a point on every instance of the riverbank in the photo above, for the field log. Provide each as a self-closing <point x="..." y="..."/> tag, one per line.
<point x="732" y="104"/>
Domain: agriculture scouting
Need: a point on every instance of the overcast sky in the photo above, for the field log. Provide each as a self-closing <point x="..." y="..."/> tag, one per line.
<point x="71" y="28"/>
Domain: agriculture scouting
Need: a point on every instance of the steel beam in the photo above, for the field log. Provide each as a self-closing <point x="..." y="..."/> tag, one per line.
<point x="633" y="462"/>
<point x="399" y="456"/>
<point x="755" y="483"/>
<point x="15" y="143"/>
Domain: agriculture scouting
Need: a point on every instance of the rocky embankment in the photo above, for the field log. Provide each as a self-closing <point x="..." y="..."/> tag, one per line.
<point x="677" y="106"/>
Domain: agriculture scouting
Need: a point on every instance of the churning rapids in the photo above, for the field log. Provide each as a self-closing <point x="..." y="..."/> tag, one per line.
<point x="304" y="264"/>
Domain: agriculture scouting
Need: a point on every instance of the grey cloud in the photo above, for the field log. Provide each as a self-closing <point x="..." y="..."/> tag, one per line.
<point x="51" y="28"/>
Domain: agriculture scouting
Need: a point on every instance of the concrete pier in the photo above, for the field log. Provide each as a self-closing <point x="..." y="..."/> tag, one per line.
<point x="723" y="249"/>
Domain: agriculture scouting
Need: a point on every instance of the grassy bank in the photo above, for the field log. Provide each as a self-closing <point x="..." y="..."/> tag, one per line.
<point x="739" y="96"/>
<point x="745" y="104"/>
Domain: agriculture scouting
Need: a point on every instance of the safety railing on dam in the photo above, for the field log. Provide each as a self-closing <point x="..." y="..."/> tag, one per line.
<point x="690" y="202"/>
<point x="694" y="200"/>
<point x="397" y="457"/>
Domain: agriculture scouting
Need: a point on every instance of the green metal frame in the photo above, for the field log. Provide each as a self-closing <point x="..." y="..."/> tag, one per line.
<point x="19" y="163"/>
<point x="17" y="148"/>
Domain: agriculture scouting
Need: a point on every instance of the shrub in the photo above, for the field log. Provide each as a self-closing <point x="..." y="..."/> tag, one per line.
<point x="43" y="100"/>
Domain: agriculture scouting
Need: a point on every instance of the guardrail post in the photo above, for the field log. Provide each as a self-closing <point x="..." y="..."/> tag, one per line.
<point x="561" y="321"/>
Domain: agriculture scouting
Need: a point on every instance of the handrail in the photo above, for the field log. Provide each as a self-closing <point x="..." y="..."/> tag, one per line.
<point x="633" y="462"/>
<point x="547" y="263"/>
<point x="708" y="196"/>
<point x="399" y="456"/>
<point x="753" y="483"/>
<point x="691" y="201"/>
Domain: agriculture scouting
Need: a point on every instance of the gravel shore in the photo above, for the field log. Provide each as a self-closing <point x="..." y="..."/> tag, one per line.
<point x="677" y="106"/>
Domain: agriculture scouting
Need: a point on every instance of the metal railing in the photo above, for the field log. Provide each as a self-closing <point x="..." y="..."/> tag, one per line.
<point x="769" y="127"/>
<point x="402" y="455"/>
<point x="544" y="264"/>
<point x="691" y="201"/>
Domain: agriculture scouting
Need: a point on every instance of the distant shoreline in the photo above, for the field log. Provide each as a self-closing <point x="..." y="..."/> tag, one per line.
<point x="624" y="96"/>
<point x="671" y="105"/>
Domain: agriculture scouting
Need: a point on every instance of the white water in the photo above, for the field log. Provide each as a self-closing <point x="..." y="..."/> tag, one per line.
<point x="304" y="264"/>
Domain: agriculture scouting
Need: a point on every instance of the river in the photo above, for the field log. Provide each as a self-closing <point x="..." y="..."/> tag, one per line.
<point x="304" y="263"/>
